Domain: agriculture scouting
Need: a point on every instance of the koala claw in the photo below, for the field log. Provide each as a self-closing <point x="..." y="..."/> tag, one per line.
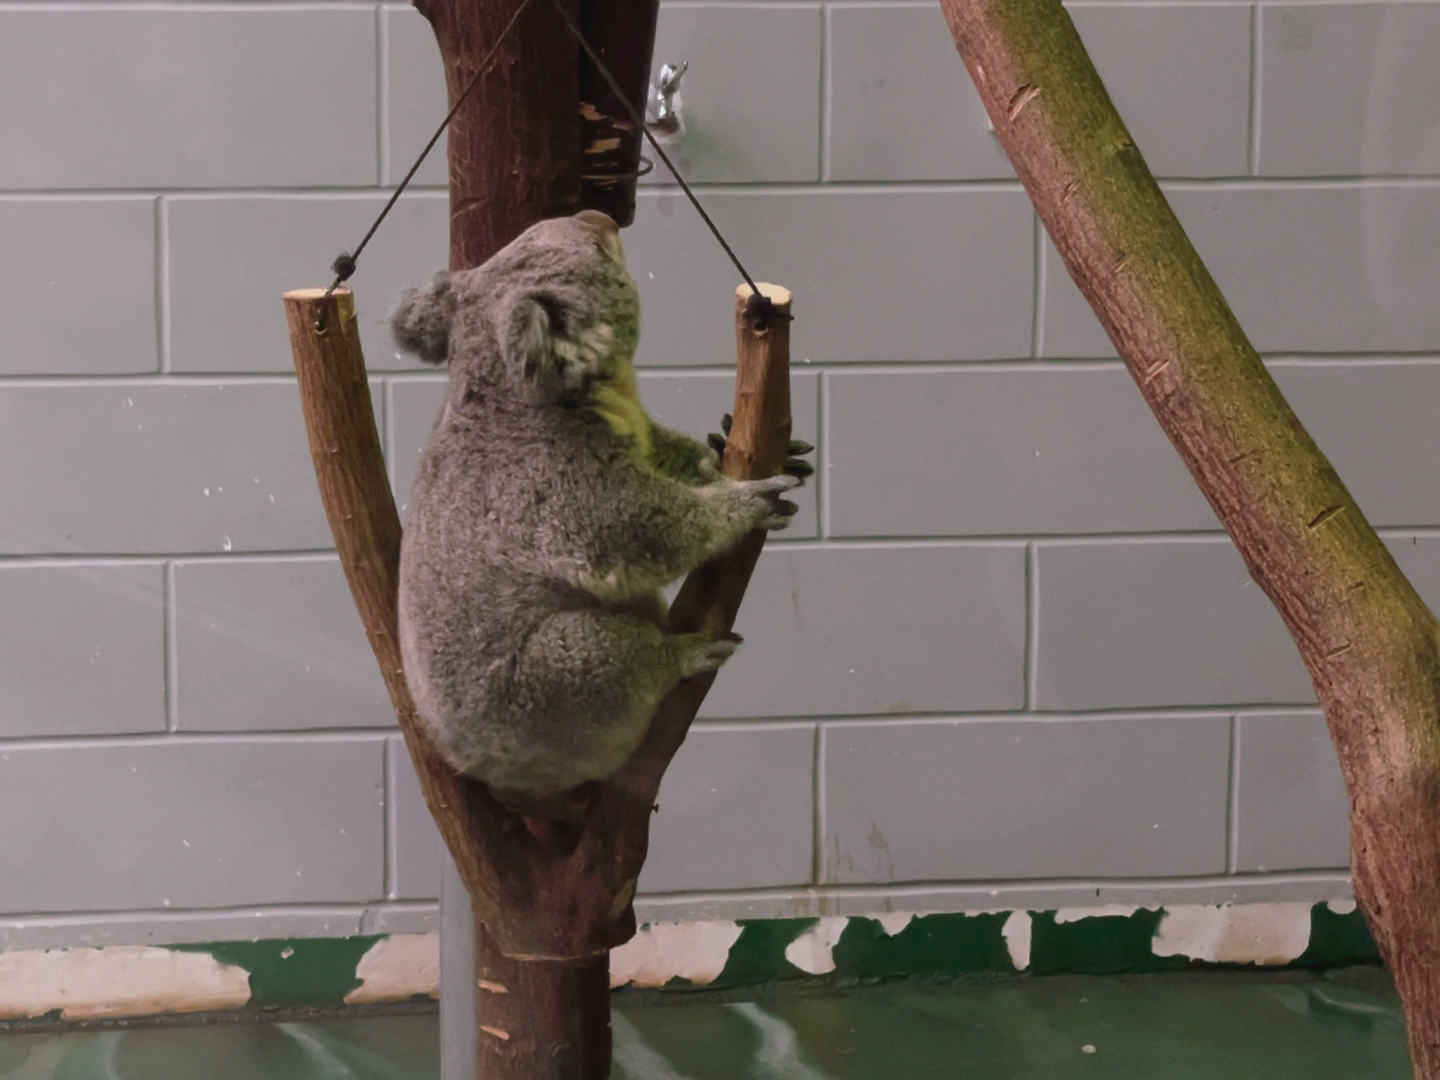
<point x="794" y="463"/>
<point x="770" y="485"/>
<point x="704" y="654"/>
<point x="784" y="511"/>
<point x="773" y="512"/>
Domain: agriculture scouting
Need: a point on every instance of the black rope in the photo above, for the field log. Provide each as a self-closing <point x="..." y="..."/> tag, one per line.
<point x="345" y="263"/>
<point x="757" y="304"/>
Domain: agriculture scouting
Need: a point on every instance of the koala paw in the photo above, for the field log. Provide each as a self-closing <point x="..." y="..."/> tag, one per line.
<point x="764" y="502"/>
<point x="795" y="465"/>
<point x="702" y="654"/>
<point x="708" y="467"/>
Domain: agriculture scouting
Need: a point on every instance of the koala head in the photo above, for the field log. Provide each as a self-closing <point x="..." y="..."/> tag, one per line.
<point x="548" y="315"/>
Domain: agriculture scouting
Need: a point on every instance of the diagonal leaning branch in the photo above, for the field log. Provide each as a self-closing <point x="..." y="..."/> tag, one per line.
<point x="1369" y="642"/>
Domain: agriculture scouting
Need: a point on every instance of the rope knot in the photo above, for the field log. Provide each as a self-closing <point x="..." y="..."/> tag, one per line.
<point x="343" y="266"/>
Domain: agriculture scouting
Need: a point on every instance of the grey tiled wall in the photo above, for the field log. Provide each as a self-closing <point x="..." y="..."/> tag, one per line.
<point x="1005" y="646"/>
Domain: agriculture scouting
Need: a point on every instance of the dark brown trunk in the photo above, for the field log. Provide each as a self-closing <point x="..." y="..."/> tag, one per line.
<point x="622" y="32"/>
<point x="1369" y="642"/>
<point x="539" y="1019"/>
<point x="514" y="146"/>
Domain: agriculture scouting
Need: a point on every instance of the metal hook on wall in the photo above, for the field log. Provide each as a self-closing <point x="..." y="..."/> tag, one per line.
<point x="662" y="108"/>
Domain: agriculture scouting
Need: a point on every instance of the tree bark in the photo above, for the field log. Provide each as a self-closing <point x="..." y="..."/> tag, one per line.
<point x="536" y="137"/>
<point x="622" y="32"/>
<point x="1368" y="640"/>
<point x="514" y="148"/>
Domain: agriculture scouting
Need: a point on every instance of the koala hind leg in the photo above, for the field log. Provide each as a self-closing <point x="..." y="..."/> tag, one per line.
<point x="585" y="687"/>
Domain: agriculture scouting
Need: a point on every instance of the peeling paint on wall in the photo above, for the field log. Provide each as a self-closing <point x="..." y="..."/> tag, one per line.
<point x="813" y="951"/>
<point x="120" y="980"/>
<point x="664" y="951"/>
<point x="1263" y="934"/>
<point x="1016" y="932"/>
<point x="140" y="980"/>
<point x="396" y="968"/>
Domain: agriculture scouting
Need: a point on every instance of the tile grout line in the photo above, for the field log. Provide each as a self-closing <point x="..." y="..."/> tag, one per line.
<point x="955" y="542"/>
<point x="1037" y="326"/>
<point x="368" y="192"/>
<point x="1232" y="802"/>
<point x="1013" y="365"/>
<point x="142" y="739"/>
<point x="817" y="850"/>
<point x="382" y="94"/>
<point x="182" y="915"/>
<point x="162" y="282"/>
<point x="856" y="890"/>
<point x="1032" y="627"/>
<point x="894" y="721"/>
<point x="827" y="38"/>
<point x="822" y="465"/>
<point x="388" y="443"/>
<point x="390" y="873"/>
<point x="1252" y="148"/>
<point x="170" y="665"/>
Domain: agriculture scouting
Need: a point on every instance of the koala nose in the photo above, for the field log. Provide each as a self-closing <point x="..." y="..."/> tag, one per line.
<point x="605" y="230"/>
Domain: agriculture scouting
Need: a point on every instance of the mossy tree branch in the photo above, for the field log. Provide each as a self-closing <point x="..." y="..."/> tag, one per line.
<point x="1368" y="640"/>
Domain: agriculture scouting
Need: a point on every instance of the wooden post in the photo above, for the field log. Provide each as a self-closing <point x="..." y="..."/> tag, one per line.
<point x="551" y="895"/>
<point x="520" y="147"/>
<point x="762" y="388"/>
<point x="622" y="32"/>
<point x="514" y="145"/>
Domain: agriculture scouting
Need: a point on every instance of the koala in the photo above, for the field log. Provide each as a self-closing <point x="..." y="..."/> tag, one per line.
<point x="548" y="512"/>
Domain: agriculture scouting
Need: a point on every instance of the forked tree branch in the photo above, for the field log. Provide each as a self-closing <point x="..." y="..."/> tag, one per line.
<point x="558" y="882"/>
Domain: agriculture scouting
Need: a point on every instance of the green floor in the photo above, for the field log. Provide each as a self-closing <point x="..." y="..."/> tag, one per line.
<point x="1342" y="1026"/>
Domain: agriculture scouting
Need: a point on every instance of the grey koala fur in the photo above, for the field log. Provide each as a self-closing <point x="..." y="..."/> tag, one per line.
<point x="548" y="512"/>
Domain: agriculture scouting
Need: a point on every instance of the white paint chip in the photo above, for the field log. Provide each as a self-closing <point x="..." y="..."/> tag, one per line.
<point x="119" y="980"/>
<point x="813" y="951"/>
<point x="397" y="968"/>
<point x="1017" y="938"/>
<point x="1235" y="934"/>
<point x="663" y="951"/>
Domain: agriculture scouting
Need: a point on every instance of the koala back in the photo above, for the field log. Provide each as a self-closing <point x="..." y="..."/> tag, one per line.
<point x="539" y="435"/>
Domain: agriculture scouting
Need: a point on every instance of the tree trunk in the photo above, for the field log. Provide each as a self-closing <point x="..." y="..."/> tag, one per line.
<point x="523" y="147"/>
<point x="1369" y="642"/>
<point x="514" y="146"/>
<point x="622" y="32"/>
<point x="540" y="1019"/>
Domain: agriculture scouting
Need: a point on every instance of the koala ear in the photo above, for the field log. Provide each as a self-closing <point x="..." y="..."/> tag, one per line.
<point x="421" y="323"/>
<point x="538" y="328"/>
